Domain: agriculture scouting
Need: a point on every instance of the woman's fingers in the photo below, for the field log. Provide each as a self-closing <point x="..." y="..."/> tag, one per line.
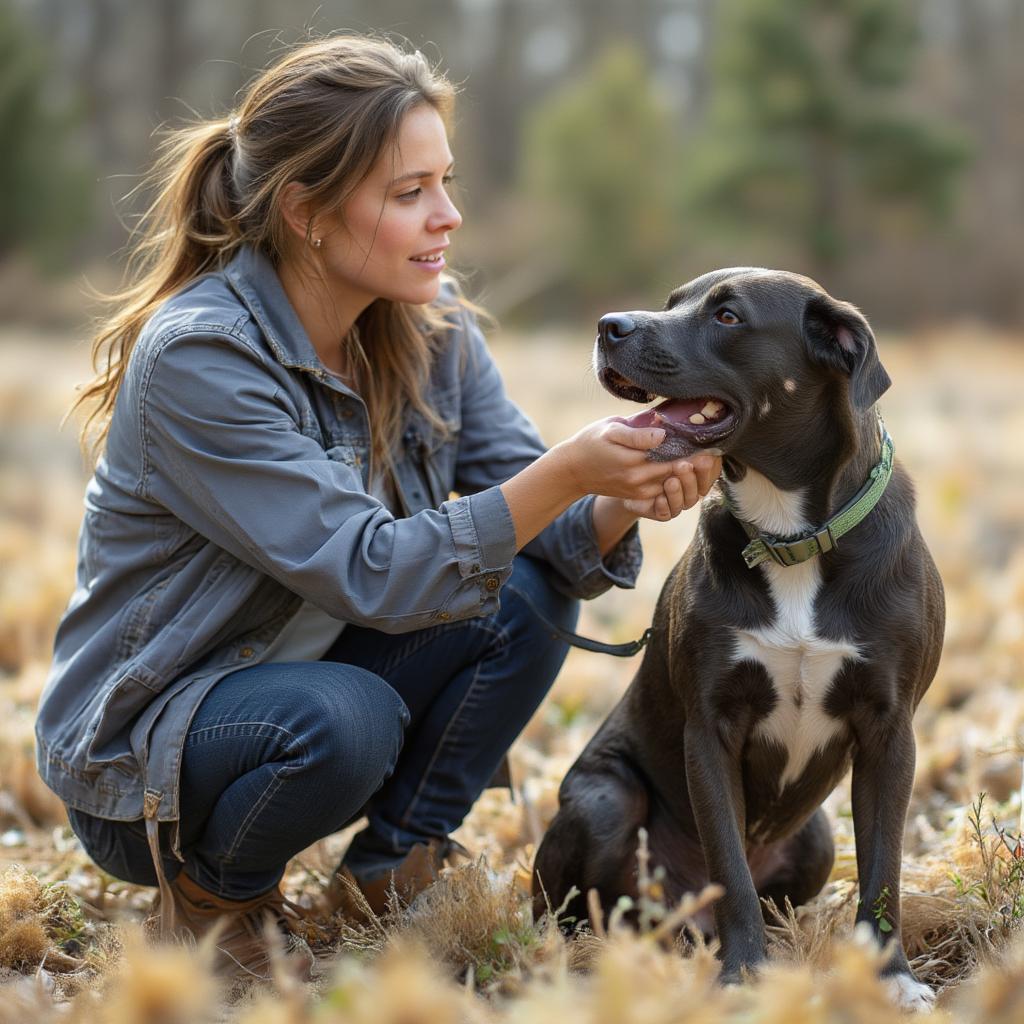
<point x="687" y="478"/>
<point x="707" y="468"/>
<point x="638" y="438"/>
<point x="612" y="458"/>
<point x="674" y="497"/>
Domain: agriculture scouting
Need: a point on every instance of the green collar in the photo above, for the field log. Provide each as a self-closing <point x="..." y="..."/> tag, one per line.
<point x="793" y="552"/>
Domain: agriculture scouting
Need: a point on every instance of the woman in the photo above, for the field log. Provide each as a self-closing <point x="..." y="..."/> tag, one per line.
<point x="284" y="617"/>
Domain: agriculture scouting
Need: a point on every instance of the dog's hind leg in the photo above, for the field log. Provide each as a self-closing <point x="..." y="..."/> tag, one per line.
<point x="797" y="867"/>
<point x="591" y="844"/>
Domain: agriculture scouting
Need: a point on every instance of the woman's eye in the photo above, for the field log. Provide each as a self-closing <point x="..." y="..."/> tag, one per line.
<point x="727" y="317"/>
<point x="414" y="193"/>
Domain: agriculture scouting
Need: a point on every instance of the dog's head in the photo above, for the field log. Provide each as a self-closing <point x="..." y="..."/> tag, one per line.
<point x="747" y="361"/>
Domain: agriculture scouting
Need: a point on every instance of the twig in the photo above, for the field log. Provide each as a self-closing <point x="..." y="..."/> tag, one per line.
<point x="596" y="914"/>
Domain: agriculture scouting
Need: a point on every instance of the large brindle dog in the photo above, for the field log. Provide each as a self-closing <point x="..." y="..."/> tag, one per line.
<point x="796" y="635"/>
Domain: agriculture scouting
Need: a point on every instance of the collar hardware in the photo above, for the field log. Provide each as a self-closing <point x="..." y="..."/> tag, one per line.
<point x="785" y="552"/>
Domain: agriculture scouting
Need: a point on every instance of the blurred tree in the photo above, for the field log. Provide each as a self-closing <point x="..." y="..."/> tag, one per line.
<point x="44" y="193"/>
<point x="601" y="158"/>
<point x="806" y="140"/>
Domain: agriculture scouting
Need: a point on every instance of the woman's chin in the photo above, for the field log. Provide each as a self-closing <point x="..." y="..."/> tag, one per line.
<point x="416" y="295"/>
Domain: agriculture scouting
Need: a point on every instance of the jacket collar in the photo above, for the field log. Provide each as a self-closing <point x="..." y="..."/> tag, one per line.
<point x="254" y="279"/>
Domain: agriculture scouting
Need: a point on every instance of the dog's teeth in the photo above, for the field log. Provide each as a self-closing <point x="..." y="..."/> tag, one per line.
<point x="712" y="409"/>
<point x="697" y="418"/>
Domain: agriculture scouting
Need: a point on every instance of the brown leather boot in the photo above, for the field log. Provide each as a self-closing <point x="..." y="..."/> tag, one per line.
<point x="419" y="869"/>
<point x="242" y="945"/>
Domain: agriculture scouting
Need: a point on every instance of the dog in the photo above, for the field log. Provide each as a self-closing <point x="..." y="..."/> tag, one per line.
<point x="772" y="666"/>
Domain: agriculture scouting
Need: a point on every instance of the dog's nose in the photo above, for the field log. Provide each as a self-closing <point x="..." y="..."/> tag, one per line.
<point x="615" y="327"/>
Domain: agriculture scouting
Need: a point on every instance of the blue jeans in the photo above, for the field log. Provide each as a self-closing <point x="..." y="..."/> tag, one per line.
<point x="406" y="729"/>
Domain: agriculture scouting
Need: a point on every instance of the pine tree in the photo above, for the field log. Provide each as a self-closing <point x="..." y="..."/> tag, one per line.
<point x="44" y="192"/>
<point x="809" y="138"/>
<point x="603" y="155"/>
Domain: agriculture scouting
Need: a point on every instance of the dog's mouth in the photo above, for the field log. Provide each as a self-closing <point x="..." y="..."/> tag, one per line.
<point x="691" y="424"/>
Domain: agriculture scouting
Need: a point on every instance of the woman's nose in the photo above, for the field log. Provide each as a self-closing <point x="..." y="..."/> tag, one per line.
<point x="446" y="216"/>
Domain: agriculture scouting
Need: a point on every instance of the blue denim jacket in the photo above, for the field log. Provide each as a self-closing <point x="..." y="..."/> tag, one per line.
<point x="233" y="487"/>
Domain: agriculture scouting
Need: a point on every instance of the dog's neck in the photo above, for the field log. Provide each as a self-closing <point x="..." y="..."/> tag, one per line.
<point x="763" y="494"/>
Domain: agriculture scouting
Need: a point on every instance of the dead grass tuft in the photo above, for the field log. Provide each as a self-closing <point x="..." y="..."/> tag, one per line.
<point x="404" y="986"/>
<point x="996" y="994"/>
<point x="36" y="920"/>
<point x="167" y="984"/>
<point x="473" y="921"/>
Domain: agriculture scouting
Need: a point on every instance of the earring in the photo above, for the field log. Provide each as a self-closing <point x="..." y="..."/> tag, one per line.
<point x="317" y="242"/>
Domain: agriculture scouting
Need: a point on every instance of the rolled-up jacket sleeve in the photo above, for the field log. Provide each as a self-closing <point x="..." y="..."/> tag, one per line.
<point x="222" y="450"/>
<point x="497" y="441"/>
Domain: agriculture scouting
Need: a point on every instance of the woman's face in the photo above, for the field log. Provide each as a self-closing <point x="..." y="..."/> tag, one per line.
<point x="390" y="238"/>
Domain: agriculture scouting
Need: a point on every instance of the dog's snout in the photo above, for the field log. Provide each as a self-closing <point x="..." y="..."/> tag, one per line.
<point x="615" y="327"/>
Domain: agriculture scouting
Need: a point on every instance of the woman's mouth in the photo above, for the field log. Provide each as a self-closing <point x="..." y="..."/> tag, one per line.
<point x="432" y="261"/>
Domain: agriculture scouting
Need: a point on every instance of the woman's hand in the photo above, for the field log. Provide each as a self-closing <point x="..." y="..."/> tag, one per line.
<point x="691" y="480"/>
<point x="607" y="458"/>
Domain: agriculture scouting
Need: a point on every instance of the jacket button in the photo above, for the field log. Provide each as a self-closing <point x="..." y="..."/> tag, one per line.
<point x="246" y="652"/>
<point x="347" y="414"/>
<point x="492" y="583"/>
<point x="444" y="616"/>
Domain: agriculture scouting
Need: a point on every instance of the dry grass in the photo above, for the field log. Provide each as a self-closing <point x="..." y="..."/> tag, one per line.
<point x="468" y="950"/>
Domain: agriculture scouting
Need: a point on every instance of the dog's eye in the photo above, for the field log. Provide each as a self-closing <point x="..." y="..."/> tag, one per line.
<point x="727" y="317"/>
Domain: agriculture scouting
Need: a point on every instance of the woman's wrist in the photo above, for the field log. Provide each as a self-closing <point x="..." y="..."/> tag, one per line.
<point x="612" y="521"/>
<point x="538" y="494"/>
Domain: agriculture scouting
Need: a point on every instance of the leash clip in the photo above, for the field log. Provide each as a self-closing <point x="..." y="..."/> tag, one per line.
<point x="636" y="646"/>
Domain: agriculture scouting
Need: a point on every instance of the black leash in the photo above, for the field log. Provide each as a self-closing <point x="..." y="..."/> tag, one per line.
<point x="583" y="642"/>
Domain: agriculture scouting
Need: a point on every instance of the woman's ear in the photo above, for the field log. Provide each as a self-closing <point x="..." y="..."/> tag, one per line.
<point x="838" y="336"/>
<point x="298" y="215"/>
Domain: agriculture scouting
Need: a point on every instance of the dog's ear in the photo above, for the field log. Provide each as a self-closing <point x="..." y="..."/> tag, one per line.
<point x="838" y="336"/>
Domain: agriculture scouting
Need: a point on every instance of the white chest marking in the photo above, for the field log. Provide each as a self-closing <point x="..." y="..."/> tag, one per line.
<point x="800" y="664"/>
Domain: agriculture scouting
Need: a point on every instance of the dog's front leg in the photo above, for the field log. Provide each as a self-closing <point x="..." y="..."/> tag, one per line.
<point x="716" y="795"/>
<point x="883" y="776"/>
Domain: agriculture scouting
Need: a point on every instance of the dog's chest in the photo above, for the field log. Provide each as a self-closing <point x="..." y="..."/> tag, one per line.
<point x="800" y="664"/>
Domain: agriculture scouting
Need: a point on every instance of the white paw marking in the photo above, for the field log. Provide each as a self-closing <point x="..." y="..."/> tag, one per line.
<point x="909" y="994"/>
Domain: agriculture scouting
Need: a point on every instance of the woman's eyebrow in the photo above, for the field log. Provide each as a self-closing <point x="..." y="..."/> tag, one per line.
<point x="418" y="174"/>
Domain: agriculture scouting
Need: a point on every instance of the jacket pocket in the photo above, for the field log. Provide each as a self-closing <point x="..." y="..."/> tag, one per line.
<point x="141" y="620"/>
<point x="126" y="699"/>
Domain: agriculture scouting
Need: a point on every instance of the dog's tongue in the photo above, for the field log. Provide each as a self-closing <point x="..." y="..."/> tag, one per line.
<point x="675" y="410"/>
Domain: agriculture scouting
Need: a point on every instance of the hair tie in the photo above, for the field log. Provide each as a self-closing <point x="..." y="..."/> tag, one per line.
<point x="233" y="126"/>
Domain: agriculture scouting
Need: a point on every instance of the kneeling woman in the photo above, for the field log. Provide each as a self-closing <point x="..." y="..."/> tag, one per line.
<point x="283" y="618"/>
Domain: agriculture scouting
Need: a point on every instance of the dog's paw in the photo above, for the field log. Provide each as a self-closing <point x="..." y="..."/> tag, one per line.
<point x="909" y="994"/>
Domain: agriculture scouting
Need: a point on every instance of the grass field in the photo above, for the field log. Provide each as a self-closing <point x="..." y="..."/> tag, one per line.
<point x="69" y="946"/>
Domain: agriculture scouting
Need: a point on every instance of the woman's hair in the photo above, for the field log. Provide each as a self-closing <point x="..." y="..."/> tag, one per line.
<point x="320" y="116"/>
